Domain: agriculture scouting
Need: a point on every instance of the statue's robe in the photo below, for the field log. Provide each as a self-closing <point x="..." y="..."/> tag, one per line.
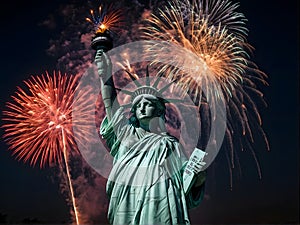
<point x="145" y="185"/>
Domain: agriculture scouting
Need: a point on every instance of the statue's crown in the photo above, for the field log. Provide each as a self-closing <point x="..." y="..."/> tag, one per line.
<point x="147" y="89"/>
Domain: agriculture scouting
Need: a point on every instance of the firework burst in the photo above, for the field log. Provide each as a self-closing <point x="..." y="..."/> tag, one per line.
<point x="210" y="31"/>
<point x="107" y="18"/>
<point x="213" y="36"/>
<point x="39" y="122"/>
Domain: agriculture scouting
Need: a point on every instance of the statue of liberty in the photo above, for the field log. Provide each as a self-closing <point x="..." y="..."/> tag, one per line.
<point x="146" y="184"/>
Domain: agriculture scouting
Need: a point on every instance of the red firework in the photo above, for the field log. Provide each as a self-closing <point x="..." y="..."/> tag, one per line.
<point x="38" y="124"/>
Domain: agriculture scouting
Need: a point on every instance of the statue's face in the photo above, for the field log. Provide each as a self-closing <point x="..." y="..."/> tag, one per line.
<point x="145" y="110"/>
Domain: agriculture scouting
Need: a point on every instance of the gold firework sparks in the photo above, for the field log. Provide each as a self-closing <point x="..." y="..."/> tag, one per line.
<point x="221" y="54"/>
<point x="215" y="54"/>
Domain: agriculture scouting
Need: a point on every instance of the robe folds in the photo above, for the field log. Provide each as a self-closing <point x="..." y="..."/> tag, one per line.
<point x="145" y="184"/>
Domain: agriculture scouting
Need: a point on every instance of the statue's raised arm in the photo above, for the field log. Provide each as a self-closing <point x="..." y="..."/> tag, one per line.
<point x="108" y="90"/>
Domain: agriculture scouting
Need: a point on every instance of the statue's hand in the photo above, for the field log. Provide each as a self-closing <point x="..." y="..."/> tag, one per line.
<point x="198" y="167"/>
<point x="103" y="64"/>
<point x="194" y="169"/>
<point x="200" y="174"/>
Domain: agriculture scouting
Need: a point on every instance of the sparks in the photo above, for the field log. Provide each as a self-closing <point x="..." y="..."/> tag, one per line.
<point x="38" y="124"/>
<point x="36" y="119"/>
<point x="216" y="53"/>
<point x="221" y="53"/>
<point x="106" y="19"/>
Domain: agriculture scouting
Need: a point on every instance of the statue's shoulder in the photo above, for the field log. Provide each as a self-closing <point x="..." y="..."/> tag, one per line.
<point x="168" y="137"/>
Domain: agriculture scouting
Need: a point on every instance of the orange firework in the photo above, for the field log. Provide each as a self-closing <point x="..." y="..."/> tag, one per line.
<point x="106" y="19"/>
<point x="209" y="31"/>
<point x="39" y="122"/>
<point x="209" y="52"/>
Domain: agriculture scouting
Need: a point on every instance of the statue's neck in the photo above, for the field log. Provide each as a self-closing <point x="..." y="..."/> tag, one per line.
<point x="145" y="126"/>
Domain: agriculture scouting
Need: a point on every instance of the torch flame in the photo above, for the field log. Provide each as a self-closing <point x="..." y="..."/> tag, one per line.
<point x="106" y="19"/>
<point x="101" y="29"/>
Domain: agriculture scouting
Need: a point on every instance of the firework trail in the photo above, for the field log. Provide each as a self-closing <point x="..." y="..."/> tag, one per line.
<point x="39" y="122"/>
<point x="213" y="36"/>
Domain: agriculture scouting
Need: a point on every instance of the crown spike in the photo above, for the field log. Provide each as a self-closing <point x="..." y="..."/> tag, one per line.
<point x="156" y="82"/>
<point x="134" y="79"/>
<point x="147" y="76"/>
<point x="165" y="88"/>
<point x="148" y="90"/>
<point x="174" y="100"/>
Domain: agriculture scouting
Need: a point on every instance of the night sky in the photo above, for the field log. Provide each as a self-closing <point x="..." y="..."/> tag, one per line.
<point x="33" y="195"/>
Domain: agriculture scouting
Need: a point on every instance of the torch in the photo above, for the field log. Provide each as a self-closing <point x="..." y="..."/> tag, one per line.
<point x="102" y="40"/>
<point x="104" y="22"/>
